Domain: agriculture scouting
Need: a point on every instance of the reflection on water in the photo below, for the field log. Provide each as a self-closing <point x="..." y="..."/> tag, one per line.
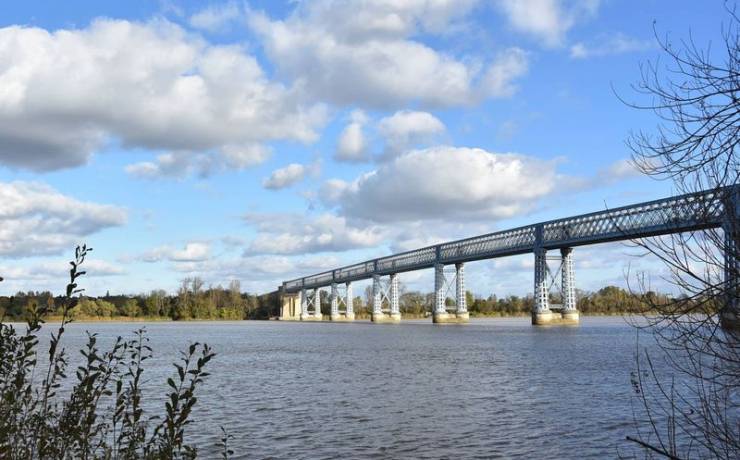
<point x="493" y="388"/>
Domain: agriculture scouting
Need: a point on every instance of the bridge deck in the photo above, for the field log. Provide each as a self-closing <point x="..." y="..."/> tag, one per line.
<point x="683" y="213"/>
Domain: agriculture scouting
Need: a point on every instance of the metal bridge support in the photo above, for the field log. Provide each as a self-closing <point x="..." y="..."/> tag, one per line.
<point x="334" y="299"/>
<point x="337" y="300"/>
<point x="389" y="294"/>
<point x="730" y="313"/>
<point x="568" y="287"/>
<point x="541" y="313"/>
<point x="317" y="304"/>
<point x="462" y="306"/>
<point x="377" y="314"/>
<point x="307" y="302"/>
<point x="395" y="308"/>
<point x="440" y="315"/>
<point x="544" y="312"/>
<point x="349" y="309"/>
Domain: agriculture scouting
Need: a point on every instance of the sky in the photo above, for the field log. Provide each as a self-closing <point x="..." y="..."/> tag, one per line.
<point x="263" y="141"/>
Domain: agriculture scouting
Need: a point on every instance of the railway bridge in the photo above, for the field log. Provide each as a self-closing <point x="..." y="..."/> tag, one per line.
<point x="720" y="208"/>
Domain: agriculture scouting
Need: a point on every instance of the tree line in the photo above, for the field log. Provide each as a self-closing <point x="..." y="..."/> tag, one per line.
<point x="193" y="300"/>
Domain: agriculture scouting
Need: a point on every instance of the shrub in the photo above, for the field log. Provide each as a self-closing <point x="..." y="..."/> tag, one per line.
<point x="101" y="416"/>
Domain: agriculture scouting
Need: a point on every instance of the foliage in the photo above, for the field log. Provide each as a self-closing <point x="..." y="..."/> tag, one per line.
<point x="192" y="301"/>
<point x="100" y="414"/>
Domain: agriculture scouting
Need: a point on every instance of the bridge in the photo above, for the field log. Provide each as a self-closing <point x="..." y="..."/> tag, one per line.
<point x="719" y="208"/>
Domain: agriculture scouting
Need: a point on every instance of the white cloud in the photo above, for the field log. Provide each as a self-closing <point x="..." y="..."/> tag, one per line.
<point x="297" y="234"/>
<point x="406" y="128"/>
<point x="616" y="44"/>
<point x="38" y="220"/>
<point x="547" y="20"/>
<point x="351" y="53"/>
<point x="58" y="271"/>
<point x="500" y="78"/>
<point x="53" y="275"/>
<point x="352" y="146"/>
<point x="191" y="252"/>
<point x="615" y="172"/>
<point x="65" y="94"/>
<point x="184" y="163"/>
<point x="446" y="183"/>
<point x="285" y="177"/>
<point x="621" y="169"/>
<point x="165" y="165"/>
<point x="215" y="18"/>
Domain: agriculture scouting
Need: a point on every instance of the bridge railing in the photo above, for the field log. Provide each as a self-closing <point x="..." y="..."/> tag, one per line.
<point x="670" y="215"/>
<point x="352" y="272"/>
<point x="412" y="260"/>
<point x="509" y="242"/>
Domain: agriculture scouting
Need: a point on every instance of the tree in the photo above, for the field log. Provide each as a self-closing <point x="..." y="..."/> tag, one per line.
<point x="131" y="308"/>
<point x="697" y="100"/>
<point x="155" y="304"/>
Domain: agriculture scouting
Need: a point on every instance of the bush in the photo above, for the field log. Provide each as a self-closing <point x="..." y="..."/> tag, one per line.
<point x="102" y="415"/>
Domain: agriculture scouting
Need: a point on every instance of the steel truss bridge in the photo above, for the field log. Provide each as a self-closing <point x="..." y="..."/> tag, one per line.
<point x="684" y="213"/>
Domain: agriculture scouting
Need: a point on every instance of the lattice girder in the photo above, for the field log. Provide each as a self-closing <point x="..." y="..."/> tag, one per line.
<point x="671" y="215"/>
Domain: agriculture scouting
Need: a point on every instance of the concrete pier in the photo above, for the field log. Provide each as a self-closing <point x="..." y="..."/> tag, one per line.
<point x="552" y="318"/>
<point x="383" y="318"/>
<point x="450" y="318"/>
<point x="290" y="306"/>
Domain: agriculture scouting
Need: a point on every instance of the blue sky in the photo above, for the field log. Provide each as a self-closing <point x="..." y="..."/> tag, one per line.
<point x="262" y="141"/>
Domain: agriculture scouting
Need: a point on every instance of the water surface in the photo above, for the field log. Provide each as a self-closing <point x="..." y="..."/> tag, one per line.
<point x="492" y="388"/>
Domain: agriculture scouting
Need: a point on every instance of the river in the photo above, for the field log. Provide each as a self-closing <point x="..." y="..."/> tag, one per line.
<point x="492" y="388"/>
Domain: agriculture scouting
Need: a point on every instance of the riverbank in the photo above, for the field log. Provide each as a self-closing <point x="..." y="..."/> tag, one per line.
<point x="143" y="319"/>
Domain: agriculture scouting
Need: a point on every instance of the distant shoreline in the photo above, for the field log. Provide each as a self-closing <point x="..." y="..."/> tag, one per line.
<point x="159" y="319"/>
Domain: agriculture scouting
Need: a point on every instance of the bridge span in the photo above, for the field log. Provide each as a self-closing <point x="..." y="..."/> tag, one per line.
<point x="720" y="208"/>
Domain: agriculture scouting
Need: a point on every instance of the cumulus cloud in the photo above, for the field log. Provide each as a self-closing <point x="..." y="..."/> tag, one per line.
<point x="58" y="270"/>
<point x="285" y="177"/>
<point x="408" y="128"/>
<point x="38" y="220"/>
<point x="299" y="234"/>
<point x="191" y="252"/>
<point x="65" y="94"/>
<point x="616" y="44"/>
<point x="367" y="54"/>
<point x="352" y="146"/>
<point x="165" y="165"/>
<point x="182" y="164"/>
<point x="547" y="20"/>
<point x="445" y="183"/>
<point x="215" y="18"/>
<point x="51" y="275"/>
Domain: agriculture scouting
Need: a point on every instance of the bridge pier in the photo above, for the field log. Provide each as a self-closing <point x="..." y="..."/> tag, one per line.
<point x="290" y="307"/>
<point x="391" y="295"/>
<point x="543" y="314"/>
<point x="308" y="302"/>
<point x="570" y="314"/>
<point x="336" y="300"/>
<point x="440" y="315"/>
